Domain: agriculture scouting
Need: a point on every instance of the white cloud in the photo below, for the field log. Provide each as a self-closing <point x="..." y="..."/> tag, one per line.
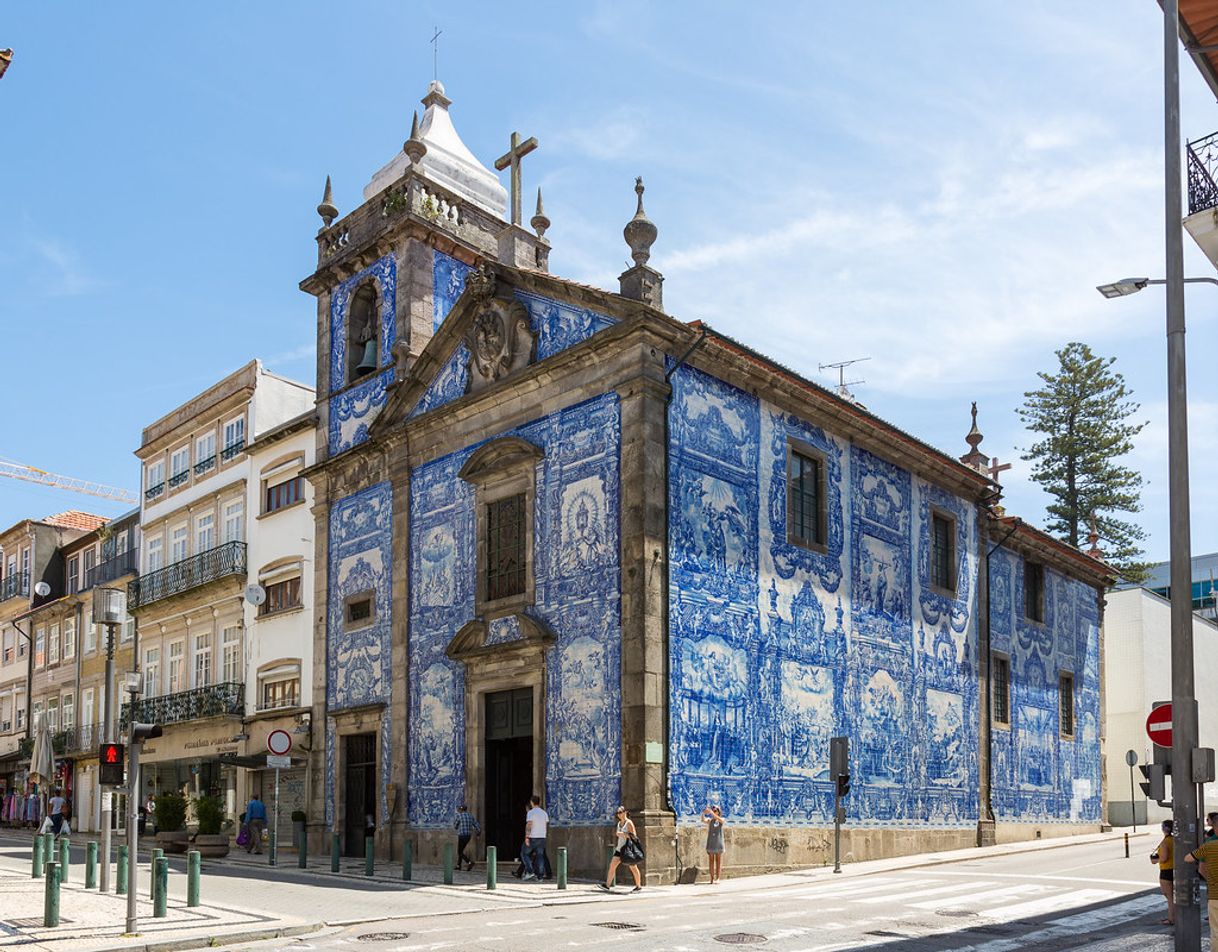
<point x="67" y="277"/>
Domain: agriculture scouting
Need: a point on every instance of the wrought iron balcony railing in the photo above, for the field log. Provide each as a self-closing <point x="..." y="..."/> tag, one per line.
<point x="1202" y="173"/>
<point x="232" y="450"/>
<point x="153" y="491"/>
<point x="178" y="478"/>
<point x="13" y="585"/>
<point x="122" y="564"/>
<point x="204" y="465"/>
<point x="216" y="700"/>
<point x="210" y="566"/>
<point x="83" y="738"/>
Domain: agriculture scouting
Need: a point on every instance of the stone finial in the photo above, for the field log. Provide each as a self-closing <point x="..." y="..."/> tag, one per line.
<point x="1093" y="540"/>
<point x="974" y="458"/>
<point x="414" y="147"/>
<point x="327" y="209"/>
<point x="6" y="57"/>
<point x="539" y="222"/>
<point x="640" y="232"/>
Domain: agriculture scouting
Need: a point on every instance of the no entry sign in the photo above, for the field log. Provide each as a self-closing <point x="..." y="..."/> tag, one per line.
<point x="1158" y="726"/>
<point x="279" y="742"/>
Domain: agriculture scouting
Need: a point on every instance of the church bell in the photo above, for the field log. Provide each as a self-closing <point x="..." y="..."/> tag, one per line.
<point x="367" y="363"/>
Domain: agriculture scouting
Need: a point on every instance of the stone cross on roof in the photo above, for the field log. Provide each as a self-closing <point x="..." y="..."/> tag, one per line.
<point x="512" y="157"/>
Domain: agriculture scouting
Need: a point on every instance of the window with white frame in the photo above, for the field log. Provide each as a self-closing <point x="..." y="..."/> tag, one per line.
<point x="202" y="676"/>
<point x="205" y="453"/>
<point x="40" y="646"/>
<point x="90" y="564"/>
<point x="69" y="637"/>
<point x="120" y="544"/>
<point x="234" y="438"/>
<point x="179" y="543"/>
<point x="6" y="714"/>
<point x="68" y="707"/>
<point x="86" y="707"/>
<point x="232" y="654"/>
<point x="152" y="672"/>
<point x="279" y="686"/>
<point x="177" y="652"/>
<point x="19" y="708"/>
<point x="90" y="632"/>
<point x="179" y="466"/>
<point x="234" y="521"/>
<point x="11" y="569"/>
<point x="53" y="713"/>
<point x="205" y="532"/>
<point x="53" y="644"/>
<point x="154" y="479"/>
<point x="128" y="628"/>
<point x="156" y="553"/>
<point x="73" y="575"/>
<point x="9" y="644"/>
<point x="25" y="568"/>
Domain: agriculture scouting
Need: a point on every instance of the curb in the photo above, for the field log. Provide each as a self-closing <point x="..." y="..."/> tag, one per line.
<point x="212" y="941"/>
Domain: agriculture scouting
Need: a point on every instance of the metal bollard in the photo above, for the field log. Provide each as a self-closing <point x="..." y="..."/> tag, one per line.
<point x="1127" y="846"/>
<point x="120" y="882"/>
<point x="492" y="867"/>
<point x="36" y="871"/>
<point x="369" y="855"/>
<point x="91" y="865"/>
<point x="562" y="867"/>
<point x="448" y="864"/>
<point x="157" y="853"/>
<point x="50" y="905"/>
<point x="335" y="852"/>
<point x="160" y="900"/>
<point x="272" y="857"/>
<point x="407" y="860"/>
<point x="48" y="848"/>
<point x="65" y="858"/>
<point x="194" y="864"/>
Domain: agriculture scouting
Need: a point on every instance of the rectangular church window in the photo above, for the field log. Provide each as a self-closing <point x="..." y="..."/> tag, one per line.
<point x="1065" y="693"/>
<point x="505" y="541"/>
<point x="1001" y="681"/>
<point x="1034" y="591"/>
<point x="805" y="499"/>
<point x="359" y="611"/>
<point x="943" y="552"/>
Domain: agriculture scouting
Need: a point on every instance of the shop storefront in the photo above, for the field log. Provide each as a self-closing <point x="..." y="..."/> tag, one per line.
<point x="186" y="759"/>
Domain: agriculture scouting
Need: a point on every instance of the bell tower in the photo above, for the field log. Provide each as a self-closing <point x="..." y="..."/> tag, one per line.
<point x="389" y="271"/>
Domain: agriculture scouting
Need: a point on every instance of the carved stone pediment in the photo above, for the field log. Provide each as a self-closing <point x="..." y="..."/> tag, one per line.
<point x="500" y="339"/>
<point x="497" y="456"/>
<point x="508" y="633"/>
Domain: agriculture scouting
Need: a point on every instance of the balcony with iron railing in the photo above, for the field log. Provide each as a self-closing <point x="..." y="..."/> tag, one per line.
<point x="232" y="450"/>
<point x="107" y="571"/>
<point x="212" y="565"/>
<point x="226" y="699"/>
<point x="13" y="585"/>
<point x="76" y="740"/>
<point x="1203" y="174"/>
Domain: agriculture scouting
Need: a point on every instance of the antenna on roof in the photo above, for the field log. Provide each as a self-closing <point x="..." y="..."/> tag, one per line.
<point x="844" y="385"/>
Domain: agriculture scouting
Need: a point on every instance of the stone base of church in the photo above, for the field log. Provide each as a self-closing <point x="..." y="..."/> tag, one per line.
<point x="587" y="849"/>
<point x="1006" y="831"/>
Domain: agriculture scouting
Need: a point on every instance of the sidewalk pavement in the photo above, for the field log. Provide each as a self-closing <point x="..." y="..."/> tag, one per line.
<point x="238" y="906"/>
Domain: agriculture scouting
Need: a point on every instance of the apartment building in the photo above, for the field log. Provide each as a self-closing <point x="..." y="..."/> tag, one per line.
<point x="190" y="599"/>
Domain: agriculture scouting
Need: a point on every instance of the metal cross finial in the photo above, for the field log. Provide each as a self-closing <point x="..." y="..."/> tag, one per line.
<point x="995" y="469"/>
<point x="512" y="157"/>
<point x="435" y="54"/>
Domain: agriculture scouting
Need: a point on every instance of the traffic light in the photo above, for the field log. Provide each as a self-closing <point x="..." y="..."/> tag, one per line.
<point x="843" y="784"/>
<point x="1155" y="786"/>
<point x="143" y="732"/>
<point x="113" y="760"/>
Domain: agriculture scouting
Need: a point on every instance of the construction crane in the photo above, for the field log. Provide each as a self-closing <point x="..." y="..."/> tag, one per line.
<point x="34" y="475"/>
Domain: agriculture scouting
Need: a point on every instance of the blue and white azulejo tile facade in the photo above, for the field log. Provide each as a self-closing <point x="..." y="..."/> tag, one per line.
<point x="576" y="566"/>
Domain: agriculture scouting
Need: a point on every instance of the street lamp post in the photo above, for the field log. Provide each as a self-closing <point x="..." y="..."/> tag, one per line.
<point x="109" y="609"/>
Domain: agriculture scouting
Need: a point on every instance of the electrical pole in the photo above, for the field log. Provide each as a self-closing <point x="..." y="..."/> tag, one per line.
<point x="107" y="796"/>
<point x="1184" y="702"/>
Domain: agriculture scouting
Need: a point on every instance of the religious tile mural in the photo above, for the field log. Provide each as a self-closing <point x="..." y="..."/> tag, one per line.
<point x="1039" y="775"/>
<point x="777" y="647"/>
<point x="447" y="282"/>
<point x="449" y="384"/>
<point x="358" y="661"/>
<point x="352" y="411"/>
<point x="576" y="562"/>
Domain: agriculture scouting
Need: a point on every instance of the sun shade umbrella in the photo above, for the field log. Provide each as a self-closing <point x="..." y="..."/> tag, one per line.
<point x="42" y="759"/>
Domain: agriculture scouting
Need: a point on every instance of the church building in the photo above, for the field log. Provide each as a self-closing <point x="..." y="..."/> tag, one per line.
<point x="572" y="546"/>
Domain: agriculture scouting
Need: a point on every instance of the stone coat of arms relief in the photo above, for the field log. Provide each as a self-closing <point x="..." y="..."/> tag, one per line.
<point x="500" y="339"/>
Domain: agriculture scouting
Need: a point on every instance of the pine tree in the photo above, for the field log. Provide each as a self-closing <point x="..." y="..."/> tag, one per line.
<point x="1083" y="415"/>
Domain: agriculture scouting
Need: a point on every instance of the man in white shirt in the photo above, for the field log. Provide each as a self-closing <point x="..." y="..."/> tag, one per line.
<point x="55" y="805"/>
<point x="536" y="824"/>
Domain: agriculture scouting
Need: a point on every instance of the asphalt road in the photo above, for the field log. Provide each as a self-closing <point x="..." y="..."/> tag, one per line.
<point x="1086" y="896"/>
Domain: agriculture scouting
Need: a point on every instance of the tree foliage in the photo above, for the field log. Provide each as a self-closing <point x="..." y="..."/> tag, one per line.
<point x="1082" y="414"/>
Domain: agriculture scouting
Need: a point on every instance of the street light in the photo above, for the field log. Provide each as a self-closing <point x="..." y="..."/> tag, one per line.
<point x="1128" y="286"/>
<point x="109" y="609"/>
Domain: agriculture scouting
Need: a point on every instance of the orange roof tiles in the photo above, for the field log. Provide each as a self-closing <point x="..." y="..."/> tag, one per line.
<point x="75" y="519"/>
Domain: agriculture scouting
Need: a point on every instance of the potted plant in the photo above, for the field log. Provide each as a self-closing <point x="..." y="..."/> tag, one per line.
<point x="171" y="833"/>
<point x="298" y="825"/>
<point x="209" y="841"/>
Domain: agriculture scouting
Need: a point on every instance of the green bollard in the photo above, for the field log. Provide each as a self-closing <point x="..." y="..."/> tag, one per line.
<point x="335" y="852"/>
<point x="48" y="848"/>
<point x="65" y="858"/>
<point x="160" y="899"/>
<point x="36" y="872"/>
<point x="194" y="864"/>
<point x="91" y="865"/>
<point x="492" y="867"/>
<point x="50" y="905"/>
<point x="157" y="853"/>
<point x="369" y="855"/>
<point x="407" y="860"/>
<point x="120" y="882"/>
<point x="562" y="867"/>
<point x="302" y="850"/>
<point x="448" y="864"/>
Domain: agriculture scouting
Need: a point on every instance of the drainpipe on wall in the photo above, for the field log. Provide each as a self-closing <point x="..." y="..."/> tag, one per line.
<point x="676" y="840"/>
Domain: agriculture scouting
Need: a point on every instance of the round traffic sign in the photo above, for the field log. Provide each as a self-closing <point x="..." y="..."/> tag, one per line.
<point x="279" y="742"/>
<point x="1131" y="758"/>
<point x="1158" y="725"/>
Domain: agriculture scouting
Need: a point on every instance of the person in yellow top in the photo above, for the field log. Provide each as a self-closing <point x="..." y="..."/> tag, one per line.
<point x="1205" y="854"/>
<point x="1165" y="856"/>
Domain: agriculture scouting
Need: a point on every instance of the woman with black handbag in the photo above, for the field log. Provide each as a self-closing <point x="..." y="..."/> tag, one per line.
<point x="628" y="850"/>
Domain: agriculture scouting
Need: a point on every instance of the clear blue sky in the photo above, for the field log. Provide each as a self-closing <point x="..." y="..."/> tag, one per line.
<point x="938" y="187"/>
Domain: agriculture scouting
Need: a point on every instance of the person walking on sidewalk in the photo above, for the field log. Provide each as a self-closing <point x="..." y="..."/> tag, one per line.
<point x="1164" y="855"/>
<point x="1205" y="854"/>
<point x="714" y="841"/>
<point x="536" y="825"/>
<point x="255" y="821"/>
<point x="626" y="851"/>
<point x="55" y="810"/>
<point x="467" y="827"/>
